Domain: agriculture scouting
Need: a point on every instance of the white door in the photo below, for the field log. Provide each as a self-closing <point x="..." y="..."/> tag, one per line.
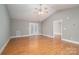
<point x="33" y="29"/>
<point x="57" y="27"/>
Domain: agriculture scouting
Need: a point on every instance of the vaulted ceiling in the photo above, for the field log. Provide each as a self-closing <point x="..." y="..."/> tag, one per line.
<point x="28" y="12"/>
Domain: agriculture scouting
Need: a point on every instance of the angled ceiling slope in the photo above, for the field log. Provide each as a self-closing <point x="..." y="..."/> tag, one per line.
<point x="27" y="11"/>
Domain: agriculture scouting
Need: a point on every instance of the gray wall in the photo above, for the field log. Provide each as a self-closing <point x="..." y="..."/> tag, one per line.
<point x="21" y="27"/>
<point x="4" y="25"/>
<point x="70" y="22"/>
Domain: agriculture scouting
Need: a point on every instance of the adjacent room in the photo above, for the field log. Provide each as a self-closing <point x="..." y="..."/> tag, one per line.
<point x="39" y="29"/>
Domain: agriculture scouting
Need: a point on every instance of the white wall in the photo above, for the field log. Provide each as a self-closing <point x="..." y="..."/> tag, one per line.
<point x="4" y="25"/>
<point x="70" y="25"/>
<point x="21" y="27"/>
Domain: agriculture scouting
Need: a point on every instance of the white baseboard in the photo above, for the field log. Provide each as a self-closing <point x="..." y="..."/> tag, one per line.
<point x="19" y="36"/>
<point x="22" y="36"/>
<point x="75" y="42"/>
<point x="47" y="35"/>
<point x="3" y="47"/>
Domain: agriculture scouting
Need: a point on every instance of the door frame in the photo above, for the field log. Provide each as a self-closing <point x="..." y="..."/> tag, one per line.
<point x="34" y="28"/>
<point x="57" y="21"/>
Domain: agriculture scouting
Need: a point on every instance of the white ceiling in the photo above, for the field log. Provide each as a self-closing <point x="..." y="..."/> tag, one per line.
<point x="28" y="12"/>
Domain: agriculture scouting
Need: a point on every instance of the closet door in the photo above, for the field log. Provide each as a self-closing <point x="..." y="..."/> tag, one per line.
<point x="33" y="29"/>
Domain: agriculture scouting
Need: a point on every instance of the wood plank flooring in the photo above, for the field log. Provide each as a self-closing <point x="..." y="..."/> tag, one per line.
<point x="40" y="45"/>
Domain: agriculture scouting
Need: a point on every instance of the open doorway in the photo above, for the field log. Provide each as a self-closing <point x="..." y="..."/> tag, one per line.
<point x="33" y="29"/>
<point x="57" y="28"/>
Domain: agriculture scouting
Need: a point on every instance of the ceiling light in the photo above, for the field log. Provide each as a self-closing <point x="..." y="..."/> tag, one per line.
<point x="41" y="10"/>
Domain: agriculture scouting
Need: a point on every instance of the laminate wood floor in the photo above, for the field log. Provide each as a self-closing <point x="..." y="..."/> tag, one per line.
<point x="40" y="45"/>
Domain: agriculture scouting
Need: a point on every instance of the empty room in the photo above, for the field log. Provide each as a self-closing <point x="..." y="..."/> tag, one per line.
<point x="39" y="29"/>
